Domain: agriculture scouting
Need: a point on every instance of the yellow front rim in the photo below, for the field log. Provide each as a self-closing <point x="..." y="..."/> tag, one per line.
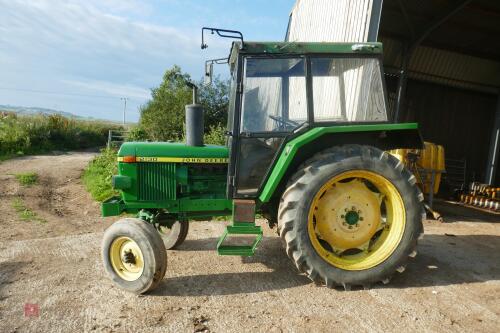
<point x="126" y="258"/>
<point x="356" y="220"/>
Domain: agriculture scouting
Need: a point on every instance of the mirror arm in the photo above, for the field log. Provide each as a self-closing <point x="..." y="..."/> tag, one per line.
<point x="209" y="68"/>
<point x="224" y="33"/>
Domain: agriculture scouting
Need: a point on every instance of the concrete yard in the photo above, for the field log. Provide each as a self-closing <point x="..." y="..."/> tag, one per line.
<point x="453" y="285"/>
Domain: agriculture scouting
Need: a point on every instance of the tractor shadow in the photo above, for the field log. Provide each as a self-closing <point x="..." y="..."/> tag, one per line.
<point x="279" y="273"/>
<point x="442" y="260"/>
<point x="450" y="260"/>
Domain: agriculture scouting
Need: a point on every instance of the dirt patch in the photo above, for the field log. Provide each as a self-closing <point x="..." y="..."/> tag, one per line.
<point x="58" y="197"/>
<point x="453" y="285"/>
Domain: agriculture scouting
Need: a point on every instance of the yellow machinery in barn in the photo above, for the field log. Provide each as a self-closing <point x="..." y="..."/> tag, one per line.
<point x="428" y="166"/>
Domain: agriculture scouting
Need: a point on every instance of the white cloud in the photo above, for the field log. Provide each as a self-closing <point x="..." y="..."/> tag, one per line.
<point x="137" y="7"/>
<point x="105" y="46"/>
<point x="71" y="24"/>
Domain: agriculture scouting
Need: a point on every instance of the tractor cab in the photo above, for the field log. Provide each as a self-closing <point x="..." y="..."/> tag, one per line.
<point x="281" y="90"/>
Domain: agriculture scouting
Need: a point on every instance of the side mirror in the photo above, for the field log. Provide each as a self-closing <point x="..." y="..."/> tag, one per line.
<point x="209" y="70"/>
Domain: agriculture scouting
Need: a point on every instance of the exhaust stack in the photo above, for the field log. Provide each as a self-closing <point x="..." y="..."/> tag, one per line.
<point x="194" y="120"/>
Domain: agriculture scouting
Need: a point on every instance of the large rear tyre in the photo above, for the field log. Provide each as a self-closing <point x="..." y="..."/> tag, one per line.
<point x="351" y="215"/>
<point x="134" y="255"/>
<point x="175" y="235"/>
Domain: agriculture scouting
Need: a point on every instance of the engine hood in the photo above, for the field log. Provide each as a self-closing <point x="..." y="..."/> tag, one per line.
<point x="175" y="150"/>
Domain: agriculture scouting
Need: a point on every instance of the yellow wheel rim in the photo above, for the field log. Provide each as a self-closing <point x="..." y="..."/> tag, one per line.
<point x="126" y="258"/>
<point x="356" y="220"/>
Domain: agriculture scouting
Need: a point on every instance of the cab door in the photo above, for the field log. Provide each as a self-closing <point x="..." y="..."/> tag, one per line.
<point x="271" y="105"/>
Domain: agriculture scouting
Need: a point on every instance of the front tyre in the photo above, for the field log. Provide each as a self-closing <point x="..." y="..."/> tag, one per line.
<point x="351" y="215"/>
<point x="134" y="255"/>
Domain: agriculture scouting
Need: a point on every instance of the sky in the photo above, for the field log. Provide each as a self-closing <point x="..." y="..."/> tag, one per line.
<point x="84" y="56"/>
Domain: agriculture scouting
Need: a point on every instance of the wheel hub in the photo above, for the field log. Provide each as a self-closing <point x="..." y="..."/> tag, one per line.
<point x="129" y="258"/>
<point x="348" y="215"/>
<point x="352" y="217"/>
<point x="126" y="258"/>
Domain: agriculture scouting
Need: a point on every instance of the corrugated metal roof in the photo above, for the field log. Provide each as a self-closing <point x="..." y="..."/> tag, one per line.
<point x="471" y="30"/>
<point x="330" y="21"/>
<point x="445" y="67"/>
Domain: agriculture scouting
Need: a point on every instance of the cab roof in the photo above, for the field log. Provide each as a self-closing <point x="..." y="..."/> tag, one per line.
<point x="299" y="48"/>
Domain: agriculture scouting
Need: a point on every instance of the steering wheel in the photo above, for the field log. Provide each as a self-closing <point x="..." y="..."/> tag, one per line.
<point x="283" y="123"/>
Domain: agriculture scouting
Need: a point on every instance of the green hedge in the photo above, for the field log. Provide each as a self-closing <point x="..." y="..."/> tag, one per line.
<point x="97" y="175"/>
<point x="34" y="134"/>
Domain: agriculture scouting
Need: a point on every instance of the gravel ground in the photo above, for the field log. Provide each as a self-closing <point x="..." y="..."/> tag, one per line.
<point x="453" y="285"/>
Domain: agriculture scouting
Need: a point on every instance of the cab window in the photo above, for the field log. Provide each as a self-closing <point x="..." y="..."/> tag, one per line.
<point x="274" y="95"/>
<point x="348" y="90"/>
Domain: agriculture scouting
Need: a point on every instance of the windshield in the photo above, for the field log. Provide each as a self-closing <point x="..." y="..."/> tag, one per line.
<point x="348" y="89"/>
<point x="274" y="95"/>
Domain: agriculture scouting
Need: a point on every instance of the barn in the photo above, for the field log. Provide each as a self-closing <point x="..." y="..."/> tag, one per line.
<point x="442" y="69"/>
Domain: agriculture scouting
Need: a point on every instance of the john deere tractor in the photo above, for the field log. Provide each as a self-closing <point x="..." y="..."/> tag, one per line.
<point x="307" y="135"/>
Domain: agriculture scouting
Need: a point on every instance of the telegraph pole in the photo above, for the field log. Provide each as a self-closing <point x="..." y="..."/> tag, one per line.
<point x="124" y="99"/>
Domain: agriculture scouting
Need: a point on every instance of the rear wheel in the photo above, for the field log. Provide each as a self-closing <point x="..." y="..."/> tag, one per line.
<point x="134" y="255"/>
<point x="351" y="216"/>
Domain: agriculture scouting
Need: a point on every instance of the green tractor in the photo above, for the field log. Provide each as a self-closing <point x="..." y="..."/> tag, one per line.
<point x="307" y="135"/>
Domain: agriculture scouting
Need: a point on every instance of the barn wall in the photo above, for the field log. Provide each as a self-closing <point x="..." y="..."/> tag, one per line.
<point x="453" y="97"/>
<point x="458" y="119"/>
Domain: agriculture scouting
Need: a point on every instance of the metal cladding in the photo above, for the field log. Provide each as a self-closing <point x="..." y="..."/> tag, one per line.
<point x="341" y="21"/>
<point x="444" y="67"/>
<point x="194" y="125"/>
<point x="330" y="21"/>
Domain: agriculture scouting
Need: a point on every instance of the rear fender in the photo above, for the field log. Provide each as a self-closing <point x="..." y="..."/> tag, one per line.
<point x="302" y="147"/>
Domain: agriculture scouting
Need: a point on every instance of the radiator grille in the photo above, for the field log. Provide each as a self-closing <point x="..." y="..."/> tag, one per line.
<point x="156" y="181"/>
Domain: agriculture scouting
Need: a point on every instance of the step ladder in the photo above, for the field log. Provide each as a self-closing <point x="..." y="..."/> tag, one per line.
<point x="243" y="224"/>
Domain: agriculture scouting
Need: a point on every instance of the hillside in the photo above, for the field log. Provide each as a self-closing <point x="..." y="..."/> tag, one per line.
<point x="31" y="111"/>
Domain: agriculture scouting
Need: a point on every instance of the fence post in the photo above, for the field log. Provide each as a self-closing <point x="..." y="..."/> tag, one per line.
<point x="110" y="135"/>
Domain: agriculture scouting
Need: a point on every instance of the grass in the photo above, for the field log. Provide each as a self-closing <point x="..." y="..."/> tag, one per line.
<point x="22" y="135"/>
<point x="97" y="175"/>
<point x="24" y="212"/>
<point x="27" y="179"/>
<point x="5" y="157"/>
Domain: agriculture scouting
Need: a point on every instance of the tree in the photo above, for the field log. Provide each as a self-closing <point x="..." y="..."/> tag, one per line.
<point x="163" y="117"/>
<point x="215" y="100"/>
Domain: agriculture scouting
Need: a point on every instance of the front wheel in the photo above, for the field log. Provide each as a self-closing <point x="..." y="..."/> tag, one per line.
<point x="134" y="255"/>
<point x="350" y="216"/>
